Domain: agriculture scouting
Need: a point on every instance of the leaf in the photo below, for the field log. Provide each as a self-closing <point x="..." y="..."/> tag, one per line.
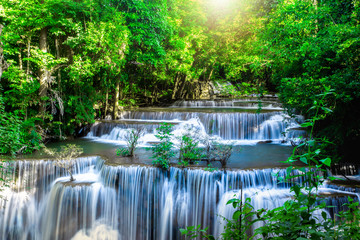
<point x="304" y="160"/>
<point x="296" y="189"/>
<point x="325" y="109"/>
<point x="307" y="124"/>
<point x="335" y="178"/>
<point x="326" y="161"/>
<point x="311" y="143"/>
<point x="236" y="214"/>
<point x="324" y="215"/>
<point x="288" y="170"/>
<point x="232" y="201"/>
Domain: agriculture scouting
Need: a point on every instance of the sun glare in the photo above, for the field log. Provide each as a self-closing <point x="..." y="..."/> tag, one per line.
<point x="220" y="3"/>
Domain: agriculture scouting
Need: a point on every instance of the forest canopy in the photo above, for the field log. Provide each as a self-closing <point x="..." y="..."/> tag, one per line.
<point x="65" y="63"/>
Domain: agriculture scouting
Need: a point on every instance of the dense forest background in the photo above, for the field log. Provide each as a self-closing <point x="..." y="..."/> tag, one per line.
<point x="65" y="63"/>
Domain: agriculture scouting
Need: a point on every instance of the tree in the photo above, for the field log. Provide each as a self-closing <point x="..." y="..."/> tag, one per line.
<point x="65" y="157"/>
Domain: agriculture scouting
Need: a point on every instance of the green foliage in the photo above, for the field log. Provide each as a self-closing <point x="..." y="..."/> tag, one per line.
<point x="348" y="225"/>
<point x="163" y="151"/>
<point x="241" y="89"/>
<point x="194" y="232"/>
<point x="238" y="227"/>
<point x="210" y="168"/>
<point x="311" y="45"/>
<point x="123" y="152"/>
<point x="98" y="53"/>
<point x="16" y="134"/>
<point x="242" y="220"/>
<point x="297" y="217"/>
<point x="189" y="151"/>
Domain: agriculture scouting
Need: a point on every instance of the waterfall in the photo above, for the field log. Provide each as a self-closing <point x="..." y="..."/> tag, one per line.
<point x="227" y="119"/>
<point x="228" y="126"/>
<point x="244" y="103"/>
<point x="133" y="202"/>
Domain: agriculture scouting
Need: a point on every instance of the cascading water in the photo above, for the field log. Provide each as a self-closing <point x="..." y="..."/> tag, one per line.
<point x="228" y="126"/>
<point x="117" y="202"/>
<point x="232" y="123"/>
<point x="135" y="203"/>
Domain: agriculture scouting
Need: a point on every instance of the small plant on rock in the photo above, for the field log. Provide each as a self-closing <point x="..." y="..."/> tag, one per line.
<point x="163" y="151"/>
<point x="222" y="153"/>
<point x="189" y="147"/>
<point x="132" y="141"/>
<point x="65" y="157"/>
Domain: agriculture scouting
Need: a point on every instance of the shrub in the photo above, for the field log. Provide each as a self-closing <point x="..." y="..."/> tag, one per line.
<point x="132" y="141"/>
<point x="163" y="151"/>
<point x="66" y="157"/>
<point x="189" y="147"/>
<point x="16" y="134"/>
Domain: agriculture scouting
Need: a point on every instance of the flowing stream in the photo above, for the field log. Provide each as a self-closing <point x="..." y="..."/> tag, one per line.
<point x="113" y="202"/>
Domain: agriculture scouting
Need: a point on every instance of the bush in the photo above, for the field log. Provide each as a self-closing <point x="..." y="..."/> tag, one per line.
<point x="215" y="151"/>
<point x="66" y="157"/>
<point x="189" y="147"/>
<point x="163" y="151"/>
<point x="16" y="134"/>
<point x="132" y="141"/>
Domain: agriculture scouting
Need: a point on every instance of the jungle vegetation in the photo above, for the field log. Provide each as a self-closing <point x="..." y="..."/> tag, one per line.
<point x="65" y="63"/>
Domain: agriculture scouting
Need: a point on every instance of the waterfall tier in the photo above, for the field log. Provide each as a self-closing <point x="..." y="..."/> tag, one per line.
<point x="245" y="103"/>
<point x="274" y="126"/>
<point x="106" y="202"/>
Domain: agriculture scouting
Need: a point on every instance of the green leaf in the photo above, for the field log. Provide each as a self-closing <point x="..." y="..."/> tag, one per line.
<point x="311" y="143"/>
<point x="307" y="124"/>
<point x="296" y="189"/>
<point x="236" y="214"/>
<point x="326" y="161"/>
<point x="289" y="170"/>
<point x="335" y="178"/>
<point x="304" y="160"/>
<point x="324" y="215"/>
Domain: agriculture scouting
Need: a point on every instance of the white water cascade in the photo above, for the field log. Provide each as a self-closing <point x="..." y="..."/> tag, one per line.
<point x="118" y="202"/>
<point x="237" y="127"/>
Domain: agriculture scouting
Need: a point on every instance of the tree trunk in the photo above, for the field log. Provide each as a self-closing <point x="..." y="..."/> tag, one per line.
<point x="28" y="57"/>
<point x="42" y="73"/>
<point x="116" y="100"/>
<point x="182" y="87"/>
<point x="20" y="61"/>
<point x="58" y="57"/>
<point x="106" y="102"/>
<point x="3" y="64"/>
<point x="176" y="86"/>
<point x="315" y="3"/>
